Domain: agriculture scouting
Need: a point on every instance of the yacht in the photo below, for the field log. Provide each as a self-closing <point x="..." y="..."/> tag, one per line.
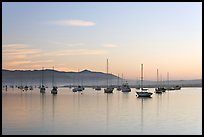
<point x="125" y="87"/>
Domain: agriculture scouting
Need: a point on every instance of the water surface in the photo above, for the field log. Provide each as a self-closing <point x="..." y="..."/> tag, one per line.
<point x="95" y="112"/>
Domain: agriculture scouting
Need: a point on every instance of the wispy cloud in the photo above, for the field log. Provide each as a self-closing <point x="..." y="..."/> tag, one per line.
<point x="80" y="52"/>
<point x="71" y="22"/>
<point x="110" y="45"/>
<point x="15" y="55"/>
<point x="18" y="51"/>
<point x="66" y="44"/>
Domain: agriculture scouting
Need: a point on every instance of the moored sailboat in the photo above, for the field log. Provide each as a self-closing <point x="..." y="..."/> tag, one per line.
<point x="109" y="89"/>
<point x="143" y="93"/>
<point x="42" y="87"/>
<point x="54" y="89"/>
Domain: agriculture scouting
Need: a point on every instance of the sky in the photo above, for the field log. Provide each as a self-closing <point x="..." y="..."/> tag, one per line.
<point x="73" y="36"/>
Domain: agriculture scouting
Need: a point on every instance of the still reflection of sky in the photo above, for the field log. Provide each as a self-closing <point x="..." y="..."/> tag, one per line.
<point x="94" y="112"/>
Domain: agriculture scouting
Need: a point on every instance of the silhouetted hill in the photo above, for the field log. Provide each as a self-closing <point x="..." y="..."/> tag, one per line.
<point x="60" y="77"/>
<point x="85" y="77"/>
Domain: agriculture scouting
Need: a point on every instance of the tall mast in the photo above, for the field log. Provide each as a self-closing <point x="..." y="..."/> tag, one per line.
<point x="122" y="78"/>
<point x="53" y="77"/>
<point x="157" y="78"/>
<point x="168" y="78"/>
<point x="118" y="81"/>
<point x="141" y="76"/>
<point x="107" y="72"/>
<point x="42" y="75"/>
<point x="161" y="83"/>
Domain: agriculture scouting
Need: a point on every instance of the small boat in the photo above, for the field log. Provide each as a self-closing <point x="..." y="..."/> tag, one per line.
<point x="54" y="89"/>
<point x="74" y="89"/>
<point x="125" y="87"/>
<point x="159" y="90"/>
<point x="143" y="92"/>
<point x="177" y="87"/>
<point x="109" y="89"/>
<point x="31" y="87"/>
<point x="118" y="87"/>
<point x="78" y="88"/>
<point x="26" y="88"/>
<point x="42" y="87"/>
<point x="97" y="88"/>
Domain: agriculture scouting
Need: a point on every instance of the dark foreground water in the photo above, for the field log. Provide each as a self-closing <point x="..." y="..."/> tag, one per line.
<point x="95" y="112"/>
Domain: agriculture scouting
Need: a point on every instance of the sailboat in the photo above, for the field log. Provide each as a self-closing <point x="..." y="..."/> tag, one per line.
<point x="97" y="87"/>
<point x="54" y="89"/>
<point x="143" y="93"/>
<point x="177" y="87"/>
<point x="42" y="88"/>
<point x="118" y="87"/>
<point x="158" y="90"/>
<point x="109" y="89"/>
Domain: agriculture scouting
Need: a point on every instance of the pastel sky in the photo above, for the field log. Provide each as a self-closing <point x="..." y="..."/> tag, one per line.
<point x="75" y="36"/>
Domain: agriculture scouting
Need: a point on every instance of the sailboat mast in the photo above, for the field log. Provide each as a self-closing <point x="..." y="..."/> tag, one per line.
<point x="141" y="76"/>
<point x="122" y="79"/>
<point x="118" y="81"/>
<point x="157" y="78"/>
<point x="107" y="72"/>
<point x="53" y="77"/>
<point x="168" y="78"/>
<point x="42" y="75"/>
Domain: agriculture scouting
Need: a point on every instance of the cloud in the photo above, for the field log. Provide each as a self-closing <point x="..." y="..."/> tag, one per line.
<point x="66" y="44"/>
<point x="110" y="45"/>
<point x="15" y="46"/>
<point x="80" y="52"/>
<point x="14" y="55"/>
<point x="18" y="51"/>
<point x="80" y="23"/>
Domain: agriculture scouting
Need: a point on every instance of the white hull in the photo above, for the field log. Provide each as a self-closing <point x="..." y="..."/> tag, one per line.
<point x="144" y="94"/>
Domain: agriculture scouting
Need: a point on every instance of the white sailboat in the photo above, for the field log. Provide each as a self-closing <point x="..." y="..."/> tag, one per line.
<point x="143" y="92"/>
<point x="42" y="88"/>
<point x="54" y="89"/>
<point x="109" y="89"/>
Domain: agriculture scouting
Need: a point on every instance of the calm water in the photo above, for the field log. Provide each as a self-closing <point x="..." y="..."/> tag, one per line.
<point x="94" y="112"/>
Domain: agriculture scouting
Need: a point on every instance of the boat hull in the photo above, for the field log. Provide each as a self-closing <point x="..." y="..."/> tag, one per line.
<point x="108" y="90"/>
<point x="54" y="91"/>
<point x="144" y="94"/>
<point x="126" y="90"/>
<point x="42" y="90"/>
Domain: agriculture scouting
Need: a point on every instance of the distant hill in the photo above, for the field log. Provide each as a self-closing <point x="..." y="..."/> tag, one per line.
<point x="60" y="77"/>
<point x="85" y="77"/>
